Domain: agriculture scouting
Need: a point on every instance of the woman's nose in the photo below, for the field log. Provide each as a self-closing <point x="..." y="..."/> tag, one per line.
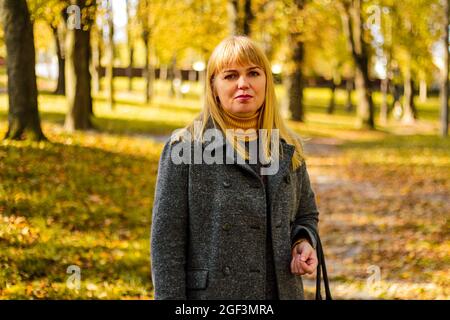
<point x="242" y="82"/>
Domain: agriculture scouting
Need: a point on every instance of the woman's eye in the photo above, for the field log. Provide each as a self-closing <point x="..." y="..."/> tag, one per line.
<point x="230" y="77"/>
<point x="254" y="73"/>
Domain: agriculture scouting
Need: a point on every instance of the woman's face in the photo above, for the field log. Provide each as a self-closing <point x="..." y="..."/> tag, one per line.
<point x="241" y="89"/>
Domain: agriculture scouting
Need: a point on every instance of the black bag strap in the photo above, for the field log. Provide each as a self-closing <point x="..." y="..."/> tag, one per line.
<point x="321" y="267"/>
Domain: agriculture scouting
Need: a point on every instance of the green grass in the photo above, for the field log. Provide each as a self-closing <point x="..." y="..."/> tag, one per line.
<point x="85" y="198"/>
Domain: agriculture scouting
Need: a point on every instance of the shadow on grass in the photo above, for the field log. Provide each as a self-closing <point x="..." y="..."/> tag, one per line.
<point x="95" y="264"/>
<point x="78" y="187"/>
<point x="118" y="101"/>
<point x="80" y="205"/>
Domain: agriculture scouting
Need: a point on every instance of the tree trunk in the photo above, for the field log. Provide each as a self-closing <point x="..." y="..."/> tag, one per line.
<point x="409" y="110"/>
<point x="395" y="92"/>
<point x="96" y="60"/>
<point x="353" y="27"/>
<point x="78" y="77"/>
<point x="23" y="115"/>
<point x="130" y="68"/>
<point x="295" y="78"/>
<point x="147" y="71"/>
<point x="173" y="66"/>
<point x="61" y="83"/>
<point x="163" y="72"/>
<point x="248" y="17"/>
<point x="349" y="89"/>
<point x="110" y="54"/>
<point x="332" y="103"/>
<point x="444" y="81"/>
<point x="233" y="14"/>
<point x="130" y="48"/>
<point x="365" y="103"/>
<point x="295" y="82"/>
<point x="384" y="100"/>
<point x="423" y="90"/>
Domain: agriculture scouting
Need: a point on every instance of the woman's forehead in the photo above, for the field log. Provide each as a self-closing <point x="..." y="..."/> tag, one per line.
<point x="234" y="66"/>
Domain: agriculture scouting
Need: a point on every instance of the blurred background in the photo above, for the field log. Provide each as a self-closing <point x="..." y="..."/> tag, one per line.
<point x="90" y="90"/>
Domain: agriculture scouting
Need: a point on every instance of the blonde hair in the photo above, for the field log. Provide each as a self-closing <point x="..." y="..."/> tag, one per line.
<point x="242" y="51"/>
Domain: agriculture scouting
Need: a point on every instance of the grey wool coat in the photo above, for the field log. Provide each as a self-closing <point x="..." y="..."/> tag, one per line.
<point x="209" y="227"/>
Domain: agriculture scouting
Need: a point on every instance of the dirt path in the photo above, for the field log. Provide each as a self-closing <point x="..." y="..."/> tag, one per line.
<point x="383" y="228"/>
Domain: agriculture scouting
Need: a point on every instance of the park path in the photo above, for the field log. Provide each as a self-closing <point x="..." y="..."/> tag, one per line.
<point x="323" y="159"/>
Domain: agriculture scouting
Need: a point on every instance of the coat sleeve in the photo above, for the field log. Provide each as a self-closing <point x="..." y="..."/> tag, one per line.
<point x="307" y="217"/>
<point x="169" y="228"/>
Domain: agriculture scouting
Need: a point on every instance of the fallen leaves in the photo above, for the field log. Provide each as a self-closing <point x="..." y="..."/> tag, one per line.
<point x="15" y="230"/>
<point x="386" y="203"/>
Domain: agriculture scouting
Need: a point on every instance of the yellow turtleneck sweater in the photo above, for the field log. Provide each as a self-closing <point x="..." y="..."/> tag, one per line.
<point x="233" y="121"/>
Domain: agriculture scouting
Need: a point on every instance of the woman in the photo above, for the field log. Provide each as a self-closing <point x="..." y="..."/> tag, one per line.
<point x="227" y="230"/>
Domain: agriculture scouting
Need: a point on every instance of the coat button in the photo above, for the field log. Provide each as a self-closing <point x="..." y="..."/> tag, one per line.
<point x="226" y="226"/>
<point x="226" y="184"/>
<point x="287" y="179"/>
<point x="226" y="271"/>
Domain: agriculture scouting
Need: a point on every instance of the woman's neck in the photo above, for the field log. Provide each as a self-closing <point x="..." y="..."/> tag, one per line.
<point x="234" y="121"/>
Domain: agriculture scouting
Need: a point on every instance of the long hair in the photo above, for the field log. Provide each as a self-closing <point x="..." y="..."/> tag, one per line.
<point x="242" y="51"/>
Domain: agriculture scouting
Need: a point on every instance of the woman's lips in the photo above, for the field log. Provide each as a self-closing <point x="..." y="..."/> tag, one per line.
<point x="244" y="97"/>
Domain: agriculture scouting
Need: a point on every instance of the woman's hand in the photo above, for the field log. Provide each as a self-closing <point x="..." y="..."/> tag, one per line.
<point x="304" y="259"/>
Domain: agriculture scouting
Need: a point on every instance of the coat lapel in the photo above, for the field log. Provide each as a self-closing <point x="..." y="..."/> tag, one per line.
<point x="273" y="180"/>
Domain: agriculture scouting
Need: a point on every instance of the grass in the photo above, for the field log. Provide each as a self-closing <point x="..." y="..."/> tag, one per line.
<point x="85" y="198"/>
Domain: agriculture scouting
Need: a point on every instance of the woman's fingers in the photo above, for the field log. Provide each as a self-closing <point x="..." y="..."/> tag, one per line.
<point x="304" y="259"/>
<point x="306" y="268"/>
<point x="295" y="266"/>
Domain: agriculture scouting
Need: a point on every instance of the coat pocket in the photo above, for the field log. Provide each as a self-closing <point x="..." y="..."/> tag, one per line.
<point x="197" y="279"/>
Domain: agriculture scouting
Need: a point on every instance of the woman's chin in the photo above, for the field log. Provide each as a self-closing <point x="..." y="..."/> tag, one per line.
<point x="245" y="111"/>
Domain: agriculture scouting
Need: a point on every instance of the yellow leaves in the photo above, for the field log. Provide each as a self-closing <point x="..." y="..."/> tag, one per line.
<point x="37" y="289"/>
<point x="91" y="287"/>
<point x="16" y="230"/>
<point x="95" y="198"/>
<point x="388" y="197"/>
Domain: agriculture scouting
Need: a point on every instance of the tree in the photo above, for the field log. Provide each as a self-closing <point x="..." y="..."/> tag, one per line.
<point x="131" y="38"/>
<point x="53" y="13"/>
<point x="295" y="81"/>
<point x="233" y="16"/>
<point x="241" y="17"/>
<point x="351" y="12"/>
<point x="110" y="53"/>
<point x="444" y="79"/>
<point x="58" y="34"/>
<point x="412" y="39"/>
<point x="97" y="52"/>
<point x="325" y="51"/>
<point x="248" y="17"/>
<point x="147" y="20"/>
<point x="270" y="27"/>
<point x="78" y="76"/>
<point x="23" y="116"/>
